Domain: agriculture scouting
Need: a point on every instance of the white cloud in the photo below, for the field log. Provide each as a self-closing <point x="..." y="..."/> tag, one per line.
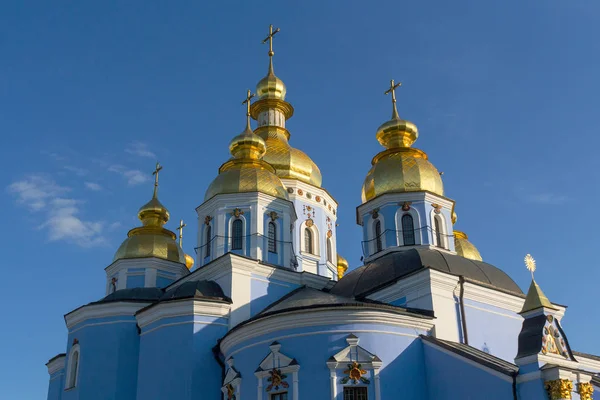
<point x="61" y="214"/>
<point x="140" y="149"/>
<point x="133" y="176"/>
<point x="93" y="186"/>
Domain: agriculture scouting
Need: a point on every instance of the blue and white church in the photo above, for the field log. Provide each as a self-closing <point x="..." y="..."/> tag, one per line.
<point x="270" y="311"/>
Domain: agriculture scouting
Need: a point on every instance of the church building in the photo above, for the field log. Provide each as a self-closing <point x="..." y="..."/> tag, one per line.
<point x="270" y="311"/>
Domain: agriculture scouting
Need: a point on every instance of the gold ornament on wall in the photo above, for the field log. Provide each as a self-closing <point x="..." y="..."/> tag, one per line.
<point x="559" y="389"/>
<point x="585" y="390"/>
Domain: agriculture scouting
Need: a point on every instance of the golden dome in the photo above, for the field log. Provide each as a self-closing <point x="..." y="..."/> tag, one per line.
<point x="189" y="261"/>
<point x="400" y="168"/>
<point x="464" y="248"/>
<point x="246" y="172"/>
<point x="151" y="239"/>
<point x="342" y="266"/>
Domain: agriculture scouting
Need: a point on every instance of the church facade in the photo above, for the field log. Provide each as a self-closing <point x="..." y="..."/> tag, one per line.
<point x="270" y="312"/>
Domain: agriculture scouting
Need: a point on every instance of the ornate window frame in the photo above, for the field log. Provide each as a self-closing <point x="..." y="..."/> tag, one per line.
<point x="71" y="376"/>
<point x="354" y="358"/>
<point x="277" y="364"/>
<point x="232" y="382"/>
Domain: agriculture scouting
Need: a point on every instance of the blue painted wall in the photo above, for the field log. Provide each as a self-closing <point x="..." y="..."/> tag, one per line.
<point x="451" y="378"/>
<point x="501" y="331"/>
<point x="176" y="362"/>
<point x="108" y="359"/>
<point x="402" y="357"/>
<point x="56" y="386"/>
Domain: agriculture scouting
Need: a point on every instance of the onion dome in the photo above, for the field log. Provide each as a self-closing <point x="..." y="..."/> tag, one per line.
<point x="246" y="172"/>
<point x="289" y="163"/>
<point x="151" y="239"/>
<point x="342" y="266"/>
<point x="400" y="168"/>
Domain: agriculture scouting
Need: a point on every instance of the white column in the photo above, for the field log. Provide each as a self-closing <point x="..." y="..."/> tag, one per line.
<point x="260" y="389"/>
<point x="333" y="379"/>
<point x="377" y="385"/>
<point x="295" y="380"/>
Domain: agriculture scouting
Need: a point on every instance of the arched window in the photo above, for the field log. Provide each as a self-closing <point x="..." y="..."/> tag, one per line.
<point x="238" y="232"/>
<point x="308" y="241"/>
<point x="73" y="369"/>
<point x="208" y="241"/>
<point x="408" y="230"/>
<point x="272" y="238"/>
<point x="329" y="251"/>
<point x="378" y="245"/>
<point x="438" y="232"/>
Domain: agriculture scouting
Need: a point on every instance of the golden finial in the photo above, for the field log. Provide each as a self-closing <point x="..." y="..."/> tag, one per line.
<point x="530" y="264"/>
<point x="155" y="173"/>
<point x="392" y="90"/>
<point x="180" y="229"/>
<point x="271" y="52"/>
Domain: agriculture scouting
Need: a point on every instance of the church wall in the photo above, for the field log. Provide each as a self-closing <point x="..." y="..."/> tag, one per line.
<point x="265" y="291"/>
<point x="57" y="385"/>
<point x="176" y="359"/>
<point x="502" y="327"/>
<point x="108" y="359"/>
<point x="452" y="377"/>
<point x="398" y="347"/>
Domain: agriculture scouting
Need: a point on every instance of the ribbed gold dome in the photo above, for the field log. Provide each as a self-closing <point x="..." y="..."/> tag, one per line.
<point x="246" y="172"/>
<point x="464" y="248"/>
<point x="342" y="266"/>
<point x="151" y="239"/>
<point x="400" y="168"/>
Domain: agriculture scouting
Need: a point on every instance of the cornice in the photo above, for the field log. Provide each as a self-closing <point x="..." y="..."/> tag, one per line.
<point x="181" y="308"/>
<point x="319" y="317"/>
<point x="93" y="311"/>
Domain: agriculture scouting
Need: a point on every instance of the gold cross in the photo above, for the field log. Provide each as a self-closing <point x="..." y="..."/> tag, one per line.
<point x="249" y="96"/>
<point x="180" y="229"/>
<point x="155" y="173"/>
<point x="392" y="90"/>
<point x="270" y="39"/>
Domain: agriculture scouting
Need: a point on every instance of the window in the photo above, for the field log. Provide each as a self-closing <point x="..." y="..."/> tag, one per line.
<point x="279" y="396"/>
<point x="208" y="240"/>
<point x="408" y="230"/>
<point x="237" y="228"/>
<point x="438" y="232"/>
<point x="329" y="251"/>
<point x="355" y="393"/>
<point x="73" y="369"/>
<point x="272" y="238"/>
<point x="378" y="245"/>
<point x="308" y="241"/>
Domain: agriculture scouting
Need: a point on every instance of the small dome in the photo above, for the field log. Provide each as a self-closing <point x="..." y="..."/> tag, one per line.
<point x="464" y="248"/>
<point x="189" y="261"/>
<point x="402" y="169"/>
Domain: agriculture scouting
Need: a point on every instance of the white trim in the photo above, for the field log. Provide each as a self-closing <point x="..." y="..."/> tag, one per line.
<point x="319" y="317"/>
<point x="187" y="307"/>
<point x="100" y="323"/>
<point x="105" y="310"/>
<point x="489" y="370"/>
<point x="56" y="364"/>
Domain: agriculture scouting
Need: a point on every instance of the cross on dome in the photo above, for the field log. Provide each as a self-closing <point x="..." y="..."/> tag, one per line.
<point x="392" y="90"/>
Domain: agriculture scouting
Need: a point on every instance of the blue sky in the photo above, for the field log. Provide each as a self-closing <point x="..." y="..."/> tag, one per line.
<point x="504" y="94"/>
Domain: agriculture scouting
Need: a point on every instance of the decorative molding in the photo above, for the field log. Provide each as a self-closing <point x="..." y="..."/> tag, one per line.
<point x="92" y="311"/>
<point x="319" y="317"/>
<point x="559" y="389"/>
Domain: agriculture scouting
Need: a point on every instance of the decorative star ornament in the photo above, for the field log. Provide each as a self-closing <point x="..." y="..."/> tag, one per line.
<point x="530" y="264"/>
